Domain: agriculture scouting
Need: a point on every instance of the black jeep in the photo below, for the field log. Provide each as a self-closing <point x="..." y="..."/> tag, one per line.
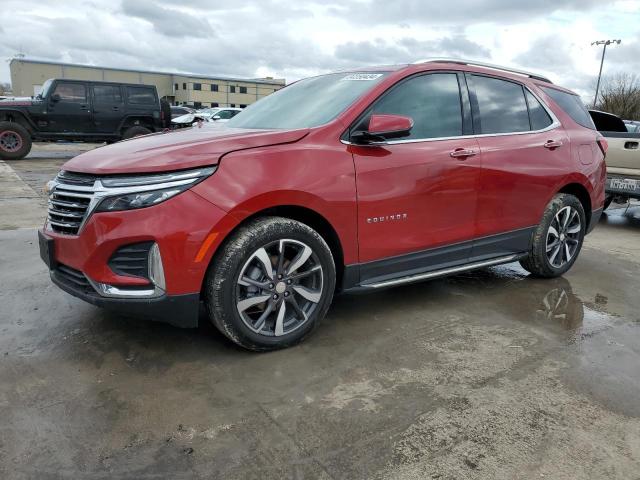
<point x="80" y="110"/>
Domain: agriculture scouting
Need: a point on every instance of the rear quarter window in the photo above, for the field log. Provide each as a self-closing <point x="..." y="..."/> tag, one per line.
<point x="141" y="96"/>
<point x="572" y="106"/>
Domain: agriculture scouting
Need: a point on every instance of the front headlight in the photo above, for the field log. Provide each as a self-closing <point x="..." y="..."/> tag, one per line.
<point x="140" y="191"/>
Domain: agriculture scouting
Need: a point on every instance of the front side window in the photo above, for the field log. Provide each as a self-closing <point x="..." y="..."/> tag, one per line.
<point x="107" y="94"/>
<point x="432" y="101"/>
<point x="141" y="96"/>
<point x="71" y="92"/>
<point x="501" y="106"/>
<point x="307" y="103"/>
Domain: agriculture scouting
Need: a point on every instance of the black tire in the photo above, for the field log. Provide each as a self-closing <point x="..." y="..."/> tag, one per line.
<point x="607" y="201"/>
<point x="538" y="262"/>
<point x="15" y="141"/>
<point x="135" y="131"/>
<point x="222" y="290"/>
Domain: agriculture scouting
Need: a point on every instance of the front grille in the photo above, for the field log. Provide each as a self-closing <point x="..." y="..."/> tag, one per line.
<point x="132" y="260"/>
<point x="73" y="278"/>
<point x="69" y="202"/>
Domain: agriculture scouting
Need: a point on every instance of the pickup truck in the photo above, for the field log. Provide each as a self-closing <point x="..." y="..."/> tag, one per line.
<point x="80" y="110"/>
<point x="623" y="158"/>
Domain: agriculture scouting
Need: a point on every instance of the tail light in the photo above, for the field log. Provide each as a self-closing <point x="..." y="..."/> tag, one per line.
<point x="603" y="144"/>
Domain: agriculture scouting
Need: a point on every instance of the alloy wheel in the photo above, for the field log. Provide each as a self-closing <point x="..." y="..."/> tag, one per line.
<point x="563" y="237"/>
<point x="10" y="141"/>
<point x="279" y="287"/>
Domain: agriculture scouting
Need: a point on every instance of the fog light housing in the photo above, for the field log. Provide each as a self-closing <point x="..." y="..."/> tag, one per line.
<point x="156" y="270"/>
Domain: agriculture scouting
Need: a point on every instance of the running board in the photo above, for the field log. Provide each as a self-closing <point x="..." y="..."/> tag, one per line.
<point x="444" y="272"/>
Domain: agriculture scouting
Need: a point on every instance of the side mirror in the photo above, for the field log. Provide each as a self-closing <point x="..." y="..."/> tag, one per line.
<point x="216" y="117"/>
<point x="55" y="98"/>
<point x="383" y="127"/>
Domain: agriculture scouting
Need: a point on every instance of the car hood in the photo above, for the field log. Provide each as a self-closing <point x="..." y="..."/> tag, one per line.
<point x="177" y="150"/>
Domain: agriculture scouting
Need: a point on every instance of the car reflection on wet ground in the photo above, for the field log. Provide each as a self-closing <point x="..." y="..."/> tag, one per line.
<point x="490" y="374"/>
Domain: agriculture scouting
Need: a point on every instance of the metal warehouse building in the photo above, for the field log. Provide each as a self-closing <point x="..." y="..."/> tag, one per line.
<point x="27" y="77"/>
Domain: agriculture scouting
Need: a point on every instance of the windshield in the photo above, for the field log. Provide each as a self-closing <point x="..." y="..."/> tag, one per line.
<point x="307" y="103"/>
<point x="45" y="88"/>
<point x="210" y="110"/>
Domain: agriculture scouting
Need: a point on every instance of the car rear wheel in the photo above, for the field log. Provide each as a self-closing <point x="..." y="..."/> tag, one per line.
<point x="135" y="131"/>
<point x="558" y="239"/>
<point x="271" y="284"/>
<point x="15" y="141"/>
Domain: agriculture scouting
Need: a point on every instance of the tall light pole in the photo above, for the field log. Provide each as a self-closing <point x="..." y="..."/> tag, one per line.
<point x="604" y="50"/>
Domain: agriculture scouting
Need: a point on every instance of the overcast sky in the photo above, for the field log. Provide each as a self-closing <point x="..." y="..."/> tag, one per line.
<point x="294" y="39"/>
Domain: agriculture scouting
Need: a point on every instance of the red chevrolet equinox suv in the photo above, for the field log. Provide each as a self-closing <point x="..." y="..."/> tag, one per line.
<point x="351" y="181"/>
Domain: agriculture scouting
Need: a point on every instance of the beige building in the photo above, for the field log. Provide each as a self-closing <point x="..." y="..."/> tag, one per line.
<point x="28" y="76"/>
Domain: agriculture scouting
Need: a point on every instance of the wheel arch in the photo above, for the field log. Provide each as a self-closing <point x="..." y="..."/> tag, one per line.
<point x="581" y="193"/>
<point x="303" y="214"/>
<point x="18" y="117"/>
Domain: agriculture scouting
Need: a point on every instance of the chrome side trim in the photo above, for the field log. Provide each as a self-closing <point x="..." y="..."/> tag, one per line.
<point x="474" y="63"/>
<point x="443" y="272"/>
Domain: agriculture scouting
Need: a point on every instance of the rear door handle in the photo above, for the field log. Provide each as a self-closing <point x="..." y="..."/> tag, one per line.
<point x="551" y="144"/>
<point x="116" y="108"/>
<point x="462" y="153"/>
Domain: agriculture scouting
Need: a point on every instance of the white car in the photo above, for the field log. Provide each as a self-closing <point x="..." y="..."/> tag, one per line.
<point x="219" y="114"/>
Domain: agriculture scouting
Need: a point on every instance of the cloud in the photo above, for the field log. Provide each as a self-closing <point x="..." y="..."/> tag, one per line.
<point x="167" y="21"/>
<point x="407" y="50"/>
<point x="293" y="40"/>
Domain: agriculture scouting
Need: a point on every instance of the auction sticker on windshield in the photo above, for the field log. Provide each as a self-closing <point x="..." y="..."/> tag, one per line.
<point x="362" y="76"/>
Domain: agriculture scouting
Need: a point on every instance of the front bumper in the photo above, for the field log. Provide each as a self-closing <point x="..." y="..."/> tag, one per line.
<point x="178" y="310"/>
<point x="181" y="227"/>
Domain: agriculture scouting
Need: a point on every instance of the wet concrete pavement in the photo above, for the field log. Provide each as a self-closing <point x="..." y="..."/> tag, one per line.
<point x="490" y="374"/>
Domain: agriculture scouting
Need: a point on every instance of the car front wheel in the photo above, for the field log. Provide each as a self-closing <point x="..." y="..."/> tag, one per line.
<point x="271" y="284"/>
<point x="557" y="241"/>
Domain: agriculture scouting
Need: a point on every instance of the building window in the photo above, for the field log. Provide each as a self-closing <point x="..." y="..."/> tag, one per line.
<point x="243" y="106"/>
<point x="176" y="87"/>
<point x="232" y="89"/>
<point x="197" y="104"/>
<point x="215" y="104"/>
<point x="184" y="86"/>
<point x="243" y="89"/>
<point x="232" y="105"/>
<point x="197" y="86"/>
<point x="214" y="88"/>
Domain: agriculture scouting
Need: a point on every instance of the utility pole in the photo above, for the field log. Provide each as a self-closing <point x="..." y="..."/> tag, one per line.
<point x="604" y="50"/>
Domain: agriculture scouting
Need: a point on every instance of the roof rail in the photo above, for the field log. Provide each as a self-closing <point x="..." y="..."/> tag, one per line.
<point x="486" y="65"/>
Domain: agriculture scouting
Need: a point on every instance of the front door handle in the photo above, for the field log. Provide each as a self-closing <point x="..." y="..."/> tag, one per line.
<point x="462" y="153"/>
<point x="551" y="144"/>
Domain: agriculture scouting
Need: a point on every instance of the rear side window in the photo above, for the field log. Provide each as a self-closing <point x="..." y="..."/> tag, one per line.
<point x="141" y="96"/>
<point x="537" y="114"/>
<point x="501" y="106"/>
<point x="572" y="105"/>
<point x="432" y="101"/>
<point x="107" y="94"/>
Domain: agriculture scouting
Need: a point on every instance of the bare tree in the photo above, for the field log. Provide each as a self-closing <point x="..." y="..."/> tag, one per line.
<point x="4" y="88"/>
<point x="620" y="94"/>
